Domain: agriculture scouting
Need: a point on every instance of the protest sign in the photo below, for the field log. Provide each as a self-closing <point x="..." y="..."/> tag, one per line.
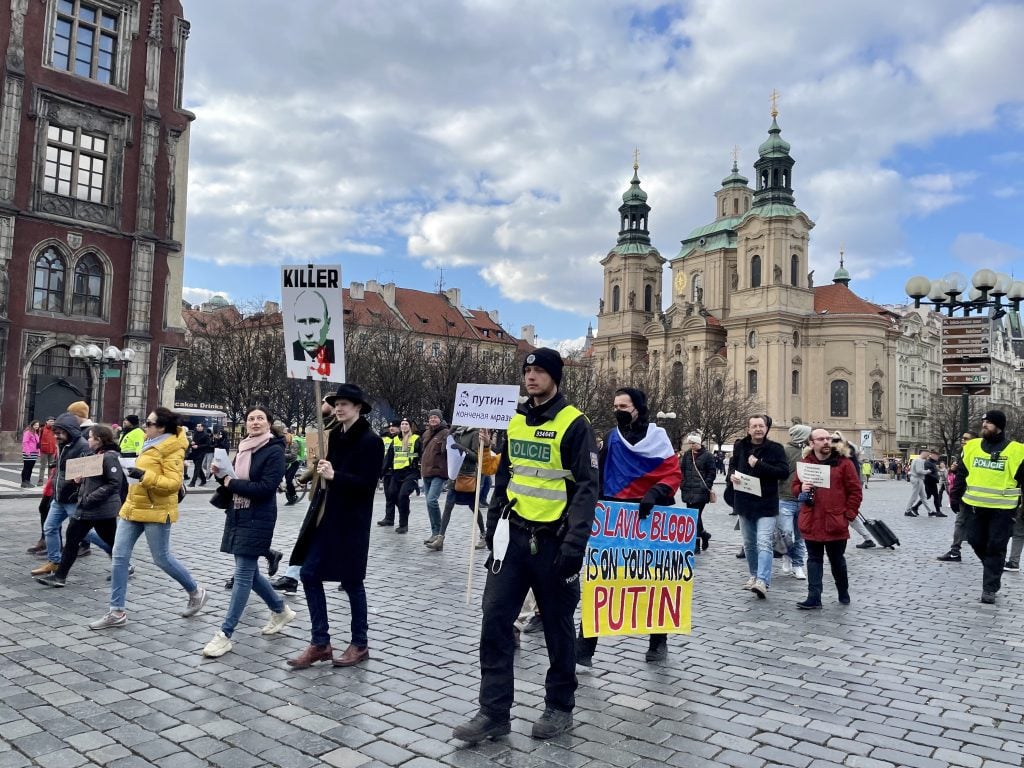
<point x="747" y="484"/>
<point x="817" y="475"/>
<point x="311" y="310"/>
<point x="638" y="573"/>
<point x="88" y="466"/>
<point x="312" y="446"/>
<point x="489" y="406"/>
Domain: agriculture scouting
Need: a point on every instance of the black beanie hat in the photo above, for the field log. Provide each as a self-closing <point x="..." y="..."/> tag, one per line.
<point x="549" y="360"/>
<point x="132" y="419"/>
<point x="639" y="401"/>
<point x="996" y="417"/>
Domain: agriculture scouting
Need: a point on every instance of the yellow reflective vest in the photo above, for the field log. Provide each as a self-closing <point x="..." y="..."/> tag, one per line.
<point x="404" y="456"/>
<point x="991" y="483"/>
<point x="538" y="483"/>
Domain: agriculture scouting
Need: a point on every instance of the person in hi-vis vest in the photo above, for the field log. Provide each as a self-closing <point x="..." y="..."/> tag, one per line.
<point x="992" y="474"/>
<point x="538" y="526"/>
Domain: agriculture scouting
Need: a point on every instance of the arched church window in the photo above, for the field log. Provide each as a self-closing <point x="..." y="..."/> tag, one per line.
<point x="616" y="298"/>
<point x="615" y="353"/>
<point x="648" y="298"/>
<point x="735" y="205"/>
<point x="723" y="208"/>
<point x="839" y="398"/>
<point x="775" y="177"/>
<point x="755" y="272"/>
<point x="697" y="282"/>
<point x="746" y="204"/>
<point x="48" y="282"/>
<point x="794" y="270"/>
<point x="752" y="381"/>
<point x="794" y="387"/>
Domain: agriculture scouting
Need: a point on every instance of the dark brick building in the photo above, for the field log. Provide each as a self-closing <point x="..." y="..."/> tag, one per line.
<point x="93" y="176"/>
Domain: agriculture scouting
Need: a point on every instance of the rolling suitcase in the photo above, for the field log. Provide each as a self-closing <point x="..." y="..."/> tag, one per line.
<point x="881" y="533"/>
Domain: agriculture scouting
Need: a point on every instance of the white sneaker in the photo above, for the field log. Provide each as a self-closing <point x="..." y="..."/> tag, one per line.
<point x="220" y="645"/>
<point x="760" y="589"/>
<point x="787" y="564"/>
<point x="750" y="582"/>
<point x="196" y="601"/>
<point x="800" y="573"/>
<point x="277" y="621"/>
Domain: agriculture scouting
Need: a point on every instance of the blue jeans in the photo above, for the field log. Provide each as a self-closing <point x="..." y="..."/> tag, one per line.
<point x="59" y="512"/>
<point x="758" y="546"/>
<point x="158" y="536"/>
<point x="247" y="579"/>
<point x="795" y="548"/>
<point x="433" y="486"/>
<point x="316" y="602"/>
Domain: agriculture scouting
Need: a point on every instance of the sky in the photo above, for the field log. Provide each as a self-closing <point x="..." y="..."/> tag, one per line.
<point x="485" y="144"/>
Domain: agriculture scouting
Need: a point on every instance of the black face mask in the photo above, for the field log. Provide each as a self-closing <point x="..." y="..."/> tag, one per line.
<point x="623" y="419"/>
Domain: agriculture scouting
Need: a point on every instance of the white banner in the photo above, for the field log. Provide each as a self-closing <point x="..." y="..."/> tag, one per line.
<point x="489" y="406"/>
<point x="314" y="340"/>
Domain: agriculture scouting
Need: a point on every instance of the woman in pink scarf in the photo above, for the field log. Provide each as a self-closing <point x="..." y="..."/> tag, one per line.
<point x="249" y="526"/>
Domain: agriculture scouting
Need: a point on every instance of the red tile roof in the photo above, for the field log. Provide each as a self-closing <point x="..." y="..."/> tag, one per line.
<point x="371" y="310"/>
<point x="495" y="333"/>
<point x="838" y="299"/>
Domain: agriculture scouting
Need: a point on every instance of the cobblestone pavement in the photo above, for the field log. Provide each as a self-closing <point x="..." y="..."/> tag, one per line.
<point x="916" y="672"/>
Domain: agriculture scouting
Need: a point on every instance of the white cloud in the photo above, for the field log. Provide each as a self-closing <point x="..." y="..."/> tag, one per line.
<point x="201" y="295"/>
<point x="975" y="249"/>
<point x="497" y="135"/>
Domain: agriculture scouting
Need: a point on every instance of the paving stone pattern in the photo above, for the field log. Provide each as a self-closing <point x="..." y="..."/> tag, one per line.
<point x="916" y="672"/>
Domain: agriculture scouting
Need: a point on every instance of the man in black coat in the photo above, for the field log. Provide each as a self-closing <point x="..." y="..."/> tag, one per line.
<point x="335" y="545"/>
<point x="765" y="461"/>
<point x="699" y="473"/>
<point x="201" y="446"/>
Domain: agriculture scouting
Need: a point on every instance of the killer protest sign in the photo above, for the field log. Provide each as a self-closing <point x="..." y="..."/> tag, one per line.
<point x="639" y="573"/>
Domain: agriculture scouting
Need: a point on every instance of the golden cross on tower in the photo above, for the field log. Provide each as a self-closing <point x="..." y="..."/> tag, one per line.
<point x="842" y="248"/>
<point x="735" y="154"/>
<point x="775" y="103"/>
<point x="636" y="158"/>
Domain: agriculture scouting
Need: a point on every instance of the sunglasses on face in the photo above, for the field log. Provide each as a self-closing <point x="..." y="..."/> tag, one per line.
<point x="149" y="423"/>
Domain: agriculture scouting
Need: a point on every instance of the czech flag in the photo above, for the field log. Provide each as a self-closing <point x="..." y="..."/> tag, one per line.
<point x="632" y="470"/>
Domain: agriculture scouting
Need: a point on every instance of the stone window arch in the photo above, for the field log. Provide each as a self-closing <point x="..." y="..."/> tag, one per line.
<point x="752" y="381"/>
<point x="87" y="289"/>
<point x="48" y="278"/>
<point x="648" y="298"/>
<point x="697" y="288"/>
<point x="794" y="387"/>
<point x="794" y="270"/>
<point x="755" y="271"/>
<point x="839" y="398"/>
<point x="616" y="298"/>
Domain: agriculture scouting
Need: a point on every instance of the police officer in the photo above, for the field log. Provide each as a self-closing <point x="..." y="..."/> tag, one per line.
<point x="992" y="472"/>
<point x="390" y="496"/>
<point x="538" y="526"/>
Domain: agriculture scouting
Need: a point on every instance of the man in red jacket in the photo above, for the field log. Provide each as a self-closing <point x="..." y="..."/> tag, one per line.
<point x="47" y="449"/>
<point x="825" y="515"/>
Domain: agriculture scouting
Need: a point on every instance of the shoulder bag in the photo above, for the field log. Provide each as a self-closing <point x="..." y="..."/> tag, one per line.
<point x="711" y="493"/>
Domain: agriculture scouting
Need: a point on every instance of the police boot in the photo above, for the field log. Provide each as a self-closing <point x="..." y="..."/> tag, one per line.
<point x="481" y="727"/>
<point x="553" y="722"/>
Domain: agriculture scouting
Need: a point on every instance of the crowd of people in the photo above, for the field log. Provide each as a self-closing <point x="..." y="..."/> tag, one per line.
<point x="548" y="471"/>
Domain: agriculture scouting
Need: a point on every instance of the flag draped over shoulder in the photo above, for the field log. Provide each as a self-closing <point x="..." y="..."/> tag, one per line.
<point x="631" y="470"/>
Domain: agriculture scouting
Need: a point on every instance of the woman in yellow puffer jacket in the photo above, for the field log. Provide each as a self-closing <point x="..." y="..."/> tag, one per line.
<point x="151" y="508"/>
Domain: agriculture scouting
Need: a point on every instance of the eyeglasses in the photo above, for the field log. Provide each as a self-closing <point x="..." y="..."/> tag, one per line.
<point x="150" y="423"/>
<point x="836" y="440"/>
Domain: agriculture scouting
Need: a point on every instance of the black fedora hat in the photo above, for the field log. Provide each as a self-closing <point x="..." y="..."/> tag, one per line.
<point x="352" y="393"/>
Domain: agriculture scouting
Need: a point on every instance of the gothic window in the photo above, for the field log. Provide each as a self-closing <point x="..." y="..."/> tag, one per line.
<point x="85" y="40"/>
<point x="752" y="382"/>
<point x="616" y="298"/>
<point x="794" y="270"/>
<point x="87" y="293"/>
<point x="755" y="272"/>
<point x="48" y="283"/>
<point x="839" y="398"/>
<point x="795" y="383"/>
<point x="76" y="163"/>
<point x="648" y="298"/>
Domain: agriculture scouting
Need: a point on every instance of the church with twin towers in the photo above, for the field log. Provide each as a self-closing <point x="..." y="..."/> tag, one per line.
<point x="743" y="309"/>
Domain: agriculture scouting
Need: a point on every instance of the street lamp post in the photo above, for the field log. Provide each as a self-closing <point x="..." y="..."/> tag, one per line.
<point x="106" y="364"/>
<point x="987" y="293"/>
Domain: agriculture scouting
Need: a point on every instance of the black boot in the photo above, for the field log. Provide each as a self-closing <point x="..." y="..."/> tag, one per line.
<point x="481" y="727"/>
<point x="815" y="571"/>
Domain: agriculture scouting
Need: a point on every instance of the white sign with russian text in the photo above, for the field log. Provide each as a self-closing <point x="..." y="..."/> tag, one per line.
<point x="488" y="406"/>
<point x="818" y="475"/>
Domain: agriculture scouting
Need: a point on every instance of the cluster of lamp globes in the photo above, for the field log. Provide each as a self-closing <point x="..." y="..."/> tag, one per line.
<point x="985" y="283"/>
<point x="93" y="353"/>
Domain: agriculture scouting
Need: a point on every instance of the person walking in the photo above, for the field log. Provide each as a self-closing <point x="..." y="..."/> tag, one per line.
<point x="825" y="515"/>
<point x="462" y="488"/>
<point x="699" y="472"/>
<point x="434" y="466"/>
<point x="992" y="473"/>
<point x="249" y="522"/>
<point x="932" y="483"/>
<point x="334" y="541"/>
<point x="151" y="509"/>
<point x="29" y="452"/>
<point x="765" y="461"/>
<point x="916" y="474"/>
<point x="202" y="445"/>
<point x="538" y="526"/>
<point x="47" y="450"/>
<point x="405" y="469"/>
<point x="71" y="445"/>
<point x="388" y="470"/>
<point x="638" y="465"/>
<point x="789" y="509"/>
<point x="843" y="446"/>
<point x="132" y="436"/>
<point x="99" y="499"/>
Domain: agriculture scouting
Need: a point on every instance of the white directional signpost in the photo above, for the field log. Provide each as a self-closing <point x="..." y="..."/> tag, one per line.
<point x="487" y="406"/>
<point x="966" y="356"/>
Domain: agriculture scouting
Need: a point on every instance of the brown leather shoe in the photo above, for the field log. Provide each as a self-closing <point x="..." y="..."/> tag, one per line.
<point x="39" y="546"/>
<point x="352" y="656"/>
<point x="311" y="655"/>
<point x="45" y="569"/>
